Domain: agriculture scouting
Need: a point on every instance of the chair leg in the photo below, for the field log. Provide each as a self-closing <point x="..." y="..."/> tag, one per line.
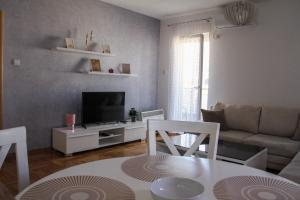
<point x="151" y="145"/>
<point x="22" y="165"/>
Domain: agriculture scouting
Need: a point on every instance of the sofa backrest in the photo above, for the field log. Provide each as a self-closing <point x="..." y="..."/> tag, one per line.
<point x="241" y="117"/>
<point x="278" y="121"/>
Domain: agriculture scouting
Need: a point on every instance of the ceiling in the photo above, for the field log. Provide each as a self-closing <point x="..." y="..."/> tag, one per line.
<point x="161" y="9"/>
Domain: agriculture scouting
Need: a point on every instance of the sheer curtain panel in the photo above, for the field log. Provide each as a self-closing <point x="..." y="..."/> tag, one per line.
<point x="185" y="71"/>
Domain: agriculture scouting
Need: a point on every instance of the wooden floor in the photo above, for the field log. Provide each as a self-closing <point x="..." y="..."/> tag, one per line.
<point x="47" y="161"/>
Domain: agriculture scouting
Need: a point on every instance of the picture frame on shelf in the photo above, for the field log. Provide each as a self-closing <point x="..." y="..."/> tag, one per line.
<point x="70" y="43"/>
<point x="95" y="65"/>
<point x="124" y="68"/>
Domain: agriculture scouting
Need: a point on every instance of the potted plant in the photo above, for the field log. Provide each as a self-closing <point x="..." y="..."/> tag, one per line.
<point x="133" y="114"/>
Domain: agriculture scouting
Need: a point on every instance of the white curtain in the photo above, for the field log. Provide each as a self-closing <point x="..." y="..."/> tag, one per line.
<point x="184" y="98"/>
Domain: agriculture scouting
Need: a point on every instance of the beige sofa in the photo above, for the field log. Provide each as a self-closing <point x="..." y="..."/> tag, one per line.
<point x="270" y="127"/>
<point x="292" y="170"/>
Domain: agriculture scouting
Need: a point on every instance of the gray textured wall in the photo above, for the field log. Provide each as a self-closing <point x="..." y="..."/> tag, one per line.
<point x="48" y="84"/>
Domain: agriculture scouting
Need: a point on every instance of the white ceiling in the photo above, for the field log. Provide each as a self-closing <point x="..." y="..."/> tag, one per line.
<point x="161" y="9"/>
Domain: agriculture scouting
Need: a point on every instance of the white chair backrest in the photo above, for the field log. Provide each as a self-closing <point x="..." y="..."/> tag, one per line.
<point x="204" y="129"/>
<point x="16" y="136"/>
<point x="152" y="114"/>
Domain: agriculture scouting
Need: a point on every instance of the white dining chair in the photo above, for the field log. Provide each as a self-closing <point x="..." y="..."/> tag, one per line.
<point x="152" y="114"/>
<point x="203" y="129"/>
<point x="16" y="136"/>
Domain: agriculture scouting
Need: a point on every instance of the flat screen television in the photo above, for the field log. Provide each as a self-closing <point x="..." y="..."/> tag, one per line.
<point x="102" y="107"/>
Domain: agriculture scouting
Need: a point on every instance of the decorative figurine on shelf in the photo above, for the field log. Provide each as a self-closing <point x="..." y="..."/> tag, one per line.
<point x="91" y="36"/>
<point x="70" y="121"/>
<point x="105" y="49"/>
<point x="111" y="70"/>
<point x="86" y="41"/>
<point x="124" y="68"/>
<point x="133" y="114"/>
<point x="70" y="43"/>
<point x="88" y="38"/>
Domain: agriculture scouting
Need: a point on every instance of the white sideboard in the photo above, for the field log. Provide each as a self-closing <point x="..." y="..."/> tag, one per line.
<point x="82" y="139"/>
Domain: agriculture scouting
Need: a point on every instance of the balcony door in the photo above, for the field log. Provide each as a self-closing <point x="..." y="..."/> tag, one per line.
<point x="186" y="78"/>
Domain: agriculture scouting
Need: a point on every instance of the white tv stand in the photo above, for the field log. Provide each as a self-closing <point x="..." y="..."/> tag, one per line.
<point x="68" y="142"/>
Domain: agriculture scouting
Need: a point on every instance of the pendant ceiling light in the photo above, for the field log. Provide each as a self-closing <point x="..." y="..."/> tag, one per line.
<point x="240" y="13"/>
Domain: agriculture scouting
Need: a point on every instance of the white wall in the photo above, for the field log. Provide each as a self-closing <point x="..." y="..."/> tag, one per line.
<point x="254" y="65"/>
<point x="48" y="84"/>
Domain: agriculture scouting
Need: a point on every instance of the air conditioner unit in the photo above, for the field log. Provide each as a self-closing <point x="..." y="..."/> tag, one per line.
<point x="220" y="22"/>
<point x="236" y="14"/>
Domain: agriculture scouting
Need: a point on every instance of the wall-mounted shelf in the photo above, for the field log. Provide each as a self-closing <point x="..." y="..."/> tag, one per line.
<point x="78" y="51"/>
<point x="112" y="74"/>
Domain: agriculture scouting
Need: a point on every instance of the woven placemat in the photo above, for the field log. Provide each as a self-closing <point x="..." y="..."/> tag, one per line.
<point x="256" y="188"/>
<point x="150" y="168"/>
<point x="80" y="188"/>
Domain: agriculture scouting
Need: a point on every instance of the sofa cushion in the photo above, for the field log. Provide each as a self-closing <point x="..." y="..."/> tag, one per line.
<point x="215" y="116"/>
<point x="278" y="121"/>
<point x="241" y="117"/>
<point x="234" y="136"/>
<point x="276" y="145"/>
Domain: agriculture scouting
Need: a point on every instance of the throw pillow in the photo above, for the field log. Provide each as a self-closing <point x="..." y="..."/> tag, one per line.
<point x="215" y="116"/>
<point x="297" y="132"/>
<point x="243" y="117"/>
<point x="219" y="106"/>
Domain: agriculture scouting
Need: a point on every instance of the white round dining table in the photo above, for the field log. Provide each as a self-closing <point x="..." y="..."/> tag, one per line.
<point x="212" y="172"/>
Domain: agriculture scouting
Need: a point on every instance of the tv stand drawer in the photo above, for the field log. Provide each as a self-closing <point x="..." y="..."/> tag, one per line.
<point x="77" y="144"/>
<point x="135" y="134"/>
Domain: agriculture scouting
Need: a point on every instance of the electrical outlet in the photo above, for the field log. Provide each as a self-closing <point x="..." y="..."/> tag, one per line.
<point x="16" y="62"/>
